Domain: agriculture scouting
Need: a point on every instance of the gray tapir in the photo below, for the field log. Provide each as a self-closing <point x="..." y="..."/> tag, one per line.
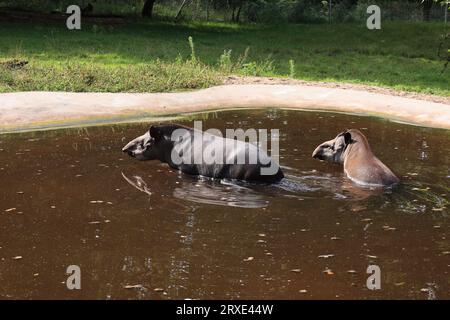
<point x="185" y="148"/>
<point x="352" y="149"/>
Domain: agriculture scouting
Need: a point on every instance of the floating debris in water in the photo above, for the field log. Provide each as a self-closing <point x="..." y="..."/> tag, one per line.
<point x="371" y="257"/>
<point x="303" y="291"/>
<point x="351" y="271"/>
<point x="295" y="270"/>
<point x="96" y="201"/>
<point x="419" y="189"/>
<point x="158" y="289"/>
<point x="328" y="272"/>
<point x="249" y="259"/>
<point x="10" y="209"/>
<point x="134" y="286"/>
<point x="326" y="256"/>
<point x="17" y="257"/>
<point x="335" y="238"/>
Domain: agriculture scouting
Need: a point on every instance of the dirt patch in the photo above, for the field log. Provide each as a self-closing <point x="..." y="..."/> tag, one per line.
<point x="21" y="111"/>
<point x="360" y="87"/>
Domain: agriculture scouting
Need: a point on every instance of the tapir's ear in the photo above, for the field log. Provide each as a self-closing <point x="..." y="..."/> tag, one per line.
<point x="156" y="132"/>
<point x="347" y="137"/>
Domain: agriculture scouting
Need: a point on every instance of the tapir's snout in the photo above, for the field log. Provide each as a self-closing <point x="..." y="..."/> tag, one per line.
<point x="318" y="153"/>
<point x="139" y="148"/>
<point x="129" y="148"/>
<point x="324" y="151"/>
<point x="129" y="152"/>
<point x="315" y="153"/>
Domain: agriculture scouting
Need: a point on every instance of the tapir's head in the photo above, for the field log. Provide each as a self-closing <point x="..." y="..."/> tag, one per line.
<point x="333" y="150"/>
<point x="145" y="147"/>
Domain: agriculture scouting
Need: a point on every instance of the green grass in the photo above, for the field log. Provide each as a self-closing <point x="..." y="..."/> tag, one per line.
<point x="156" y="57"/>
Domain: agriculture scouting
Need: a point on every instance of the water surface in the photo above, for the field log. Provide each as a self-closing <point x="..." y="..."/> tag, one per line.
<point x="139" y="230"/>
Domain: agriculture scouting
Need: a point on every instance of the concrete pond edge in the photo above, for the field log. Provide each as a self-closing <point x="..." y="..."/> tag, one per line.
<point x="29" y="111"/>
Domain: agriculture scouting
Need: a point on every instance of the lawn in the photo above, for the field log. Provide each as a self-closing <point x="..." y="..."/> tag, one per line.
<point x="157" y="57"/>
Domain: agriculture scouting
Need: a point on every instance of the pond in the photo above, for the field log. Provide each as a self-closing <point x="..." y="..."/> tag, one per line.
<point x="140" y="230"/>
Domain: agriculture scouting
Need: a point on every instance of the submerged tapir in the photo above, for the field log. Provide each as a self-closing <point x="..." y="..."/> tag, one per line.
<point x="184" y="148"/>
<point x="352" y="149"/>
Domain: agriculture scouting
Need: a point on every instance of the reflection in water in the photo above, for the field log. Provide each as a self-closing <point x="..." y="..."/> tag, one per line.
<point x="138" y="183"/>
<point x="209" y="191"/>
<point x="140" y="230"/>
<point x="253" y="195"/>
<point x="222" y="193"/>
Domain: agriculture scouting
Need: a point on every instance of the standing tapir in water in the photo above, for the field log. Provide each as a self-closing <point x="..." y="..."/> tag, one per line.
<point x="172" y="143"/>
<point x="352" y="149"/>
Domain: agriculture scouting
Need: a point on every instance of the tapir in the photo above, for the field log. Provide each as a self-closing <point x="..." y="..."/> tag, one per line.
<point x="352" y="149"/>
<point x="200" y="153"/>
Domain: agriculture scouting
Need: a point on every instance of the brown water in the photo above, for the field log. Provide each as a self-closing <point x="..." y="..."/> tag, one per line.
<point x="70" y="197"/>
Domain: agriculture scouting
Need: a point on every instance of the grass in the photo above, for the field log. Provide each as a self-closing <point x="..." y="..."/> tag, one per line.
<point x="157" y="57"/>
